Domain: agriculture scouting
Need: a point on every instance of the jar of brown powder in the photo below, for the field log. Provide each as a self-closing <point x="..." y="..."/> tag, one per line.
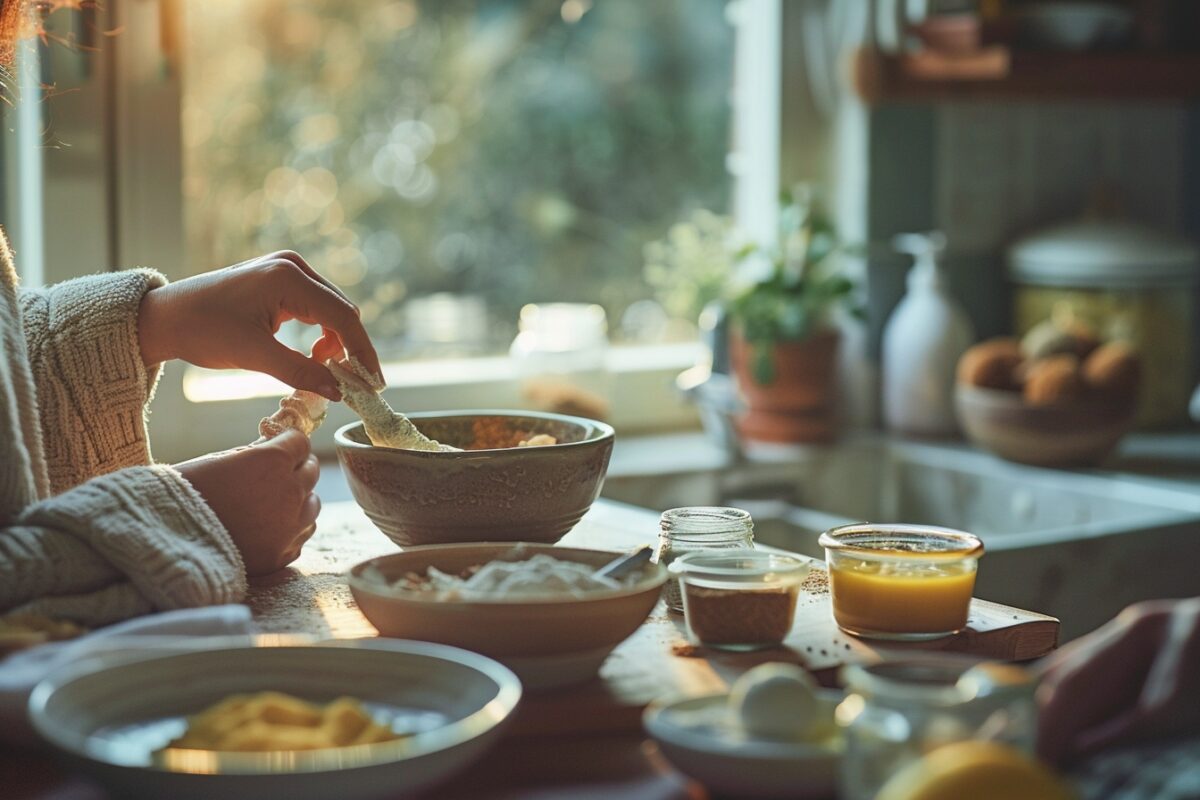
<point x="699" y="528"/>
<point x="739" y="599"/>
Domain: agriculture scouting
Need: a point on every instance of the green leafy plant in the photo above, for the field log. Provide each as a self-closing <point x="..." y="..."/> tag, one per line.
<point x="802" y="287"/>
<point x="691" y="265"/>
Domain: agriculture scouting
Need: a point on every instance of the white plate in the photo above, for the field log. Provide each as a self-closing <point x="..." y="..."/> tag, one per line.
<point x="732" y="764"/>
<point x="108" y="715"/>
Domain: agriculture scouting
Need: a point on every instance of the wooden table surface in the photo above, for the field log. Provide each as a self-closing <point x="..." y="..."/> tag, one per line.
<point x="585" y="741"/>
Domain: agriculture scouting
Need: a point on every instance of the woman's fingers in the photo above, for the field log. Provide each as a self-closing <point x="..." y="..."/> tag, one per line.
<point x="1094" y="683"/>
<point x="297" y="370"/>
<point x="309" y="510"/>
<point x="311" y="301"/>
<point x="328" y="347"/>
<point x="295" y="446"/>
<point x="308" y="473"/>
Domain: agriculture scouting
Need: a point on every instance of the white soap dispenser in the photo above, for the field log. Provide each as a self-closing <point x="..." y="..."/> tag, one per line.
<point x="922" y="342"/>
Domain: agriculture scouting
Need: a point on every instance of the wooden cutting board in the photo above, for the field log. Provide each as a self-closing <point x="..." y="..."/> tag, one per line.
<point x="655" y="662"/>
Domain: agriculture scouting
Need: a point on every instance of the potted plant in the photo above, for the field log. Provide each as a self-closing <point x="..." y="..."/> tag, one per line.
<point x="783" y="342"/>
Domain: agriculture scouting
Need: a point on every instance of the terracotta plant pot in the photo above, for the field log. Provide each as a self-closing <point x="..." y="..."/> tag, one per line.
<point x="798" y="404"/>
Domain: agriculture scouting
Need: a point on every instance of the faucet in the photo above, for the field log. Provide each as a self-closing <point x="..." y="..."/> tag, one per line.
<point x="709" y="385"/>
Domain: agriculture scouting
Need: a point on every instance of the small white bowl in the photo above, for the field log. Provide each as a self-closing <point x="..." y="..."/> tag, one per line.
<point x="109" y="716"/>
<point x="733" y="764"/>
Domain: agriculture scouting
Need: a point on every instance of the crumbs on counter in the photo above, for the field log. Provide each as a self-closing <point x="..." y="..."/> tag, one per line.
<point x="685" y="650"/>
<point x="816" y="582"/>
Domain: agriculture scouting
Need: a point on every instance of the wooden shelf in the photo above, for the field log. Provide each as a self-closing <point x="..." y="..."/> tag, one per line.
<point x="1027" y="76"/>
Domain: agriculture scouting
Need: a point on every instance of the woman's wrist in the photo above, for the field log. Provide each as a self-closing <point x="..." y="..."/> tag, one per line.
<point x="154" y="339"/>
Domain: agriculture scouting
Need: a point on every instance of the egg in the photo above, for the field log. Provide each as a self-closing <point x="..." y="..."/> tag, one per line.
<point x="776" y="701"/>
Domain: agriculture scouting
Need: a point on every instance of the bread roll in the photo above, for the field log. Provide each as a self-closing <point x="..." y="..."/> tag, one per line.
<point x="991" y="364"/>
<point x="1114" y="372"/>
<point x="1055" y="381"/>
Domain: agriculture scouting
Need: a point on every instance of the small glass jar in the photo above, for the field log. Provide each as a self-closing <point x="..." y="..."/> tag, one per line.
<point x="739" y="599"/>
<point x="898" y="711"/>
<point x="686" y="530"/>
<point x="901" y="582"/>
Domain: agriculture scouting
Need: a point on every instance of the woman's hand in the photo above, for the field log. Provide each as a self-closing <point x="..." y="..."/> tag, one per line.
<point x="1135" y="678"/>
<point x="263" y="495"/>
<point x="228" y="319"/>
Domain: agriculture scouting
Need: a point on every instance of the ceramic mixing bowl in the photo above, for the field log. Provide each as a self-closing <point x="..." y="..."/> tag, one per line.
<point x="110" y="715"/>
<point x="1074" y="435"/>
<point x="549" y="642"/>
<point x="532" y="494"/>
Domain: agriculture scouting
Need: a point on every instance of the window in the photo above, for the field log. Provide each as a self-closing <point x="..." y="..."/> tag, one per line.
<point x="445" y="161"/>
<point x="448" y="162"/>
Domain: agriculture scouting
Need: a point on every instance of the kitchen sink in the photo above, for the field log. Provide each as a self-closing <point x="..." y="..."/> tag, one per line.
<point x="1077" y="545"/>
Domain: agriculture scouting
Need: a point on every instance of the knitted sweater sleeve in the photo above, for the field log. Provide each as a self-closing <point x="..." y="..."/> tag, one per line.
<point x="116" y="537"/>
<point x="134" y="541"/>
<point x="92" y="386"/>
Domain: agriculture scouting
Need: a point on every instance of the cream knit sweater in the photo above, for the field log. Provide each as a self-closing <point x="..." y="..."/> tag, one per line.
<point x="90" y="529"/>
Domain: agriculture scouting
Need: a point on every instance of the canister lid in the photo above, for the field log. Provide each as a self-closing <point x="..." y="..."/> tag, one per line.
<point x="1104" y="253"/>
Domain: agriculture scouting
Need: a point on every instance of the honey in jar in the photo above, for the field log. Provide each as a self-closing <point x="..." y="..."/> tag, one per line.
<point x="901" y="581"/>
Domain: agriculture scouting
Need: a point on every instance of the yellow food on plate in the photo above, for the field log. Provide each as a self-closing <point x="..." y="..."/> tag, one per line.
<point x="975" y="771"/>
<point x="272" y="721"/>
<point x="18" y="631"/>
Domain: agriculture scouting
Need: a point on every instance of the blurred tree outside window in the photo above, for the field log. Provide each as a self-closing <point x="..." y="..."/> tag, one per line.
<point x="449" y="161"/>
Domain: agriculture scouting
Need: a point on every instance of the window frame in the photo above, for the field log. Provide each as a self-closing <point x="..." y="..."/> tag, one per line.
<point x="135" y="113"/>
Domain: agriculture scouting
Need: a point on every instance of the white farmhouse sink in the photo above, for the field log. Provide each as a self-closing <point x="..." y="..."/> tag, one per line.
<point x="1077" y="545"/>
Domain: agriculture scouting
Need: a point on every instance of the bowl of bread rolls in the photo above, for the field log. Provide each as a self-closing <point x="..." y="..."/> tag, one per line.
<point x="1057" y="397"/>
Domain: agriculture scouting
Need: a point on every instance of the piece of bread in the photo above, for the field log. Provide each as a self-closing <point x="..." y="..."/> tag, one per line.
<point x="991" y="364"/>
<point x="1056" y="380"/>
<point x="1114" y="372"/>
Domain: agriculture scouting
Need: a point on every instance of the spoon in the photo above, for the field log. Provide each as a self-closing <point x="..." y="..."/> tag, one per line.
<point x="623" y="565"/>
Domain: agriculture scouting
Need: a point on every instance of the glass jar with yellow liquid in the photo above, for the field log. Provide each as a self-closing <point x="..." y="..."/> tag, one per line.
<point x="901" y="582"/>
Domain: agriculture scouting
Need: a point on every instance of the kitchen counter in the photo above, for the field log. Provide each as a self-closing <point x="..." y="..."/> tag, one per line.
<point x="1172" y="458"/>
<point x="584" y="741"/>
<point x="1073" y="543"/>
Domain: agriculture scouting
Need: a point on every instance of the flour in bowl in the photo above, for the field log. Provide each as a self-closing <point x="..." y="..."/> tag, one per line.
<point x="539" y="576"/>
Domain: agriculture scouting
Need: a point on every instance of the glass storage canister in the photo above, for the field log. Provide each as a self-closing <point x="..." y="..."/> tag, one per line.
<point x="687" y="530"/>
<point x="741" y="599"/>
<point x="1124" y="282"/>
<point x="896" y="712"/>
<point x="902" y="582"/>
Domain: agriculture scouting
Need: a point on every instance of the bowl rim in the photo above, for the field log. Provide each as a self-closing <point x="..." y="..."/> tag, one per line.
<point x="987" y="398"/>
<point x="604" y="432"/>
<point x="842" y="539"/>
<point x="657" y="721"/>
<point x="774" y="568"/>
<point x="480" y="722"/>
<point x="357" y="583"/>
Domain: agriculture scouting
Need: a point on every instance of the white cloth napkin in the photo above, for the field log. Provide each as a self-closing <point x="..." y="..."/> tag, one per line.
<point x="22" y="670"/>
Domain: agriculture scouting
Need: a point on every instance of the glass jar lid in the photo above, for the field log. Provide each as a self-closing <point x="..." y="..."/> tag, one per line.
<point x="902" y="542"/>
<point x="704" y="520"/>
<point x="740" y="566"/>
<point x="1104" y="254"/>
